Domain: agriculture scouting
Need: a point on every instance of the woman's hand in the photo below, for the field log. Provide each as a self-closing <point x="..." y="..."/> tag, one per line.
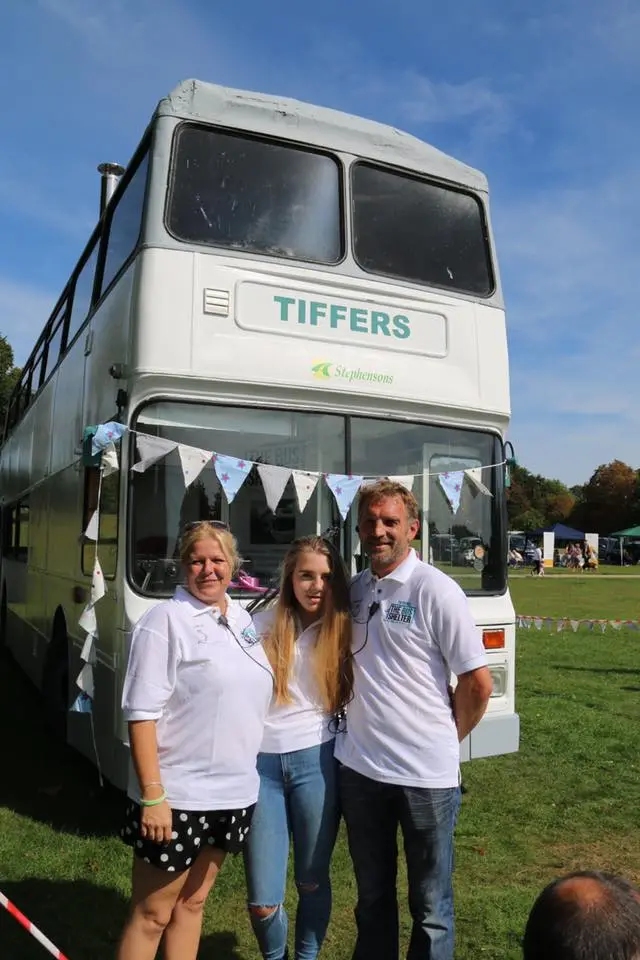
<point x="156" y="822"/>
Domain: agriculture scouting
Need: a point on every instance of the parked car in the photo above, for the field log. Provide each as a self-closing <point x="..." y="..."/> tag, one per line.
<point x="525" y="547"/>
<point x="444" y="547"/>
<point x="466" y="555"/>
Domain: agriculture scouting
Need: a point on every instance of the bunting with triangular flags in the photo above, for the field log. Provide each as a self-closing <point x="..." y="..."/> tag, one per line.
<point x="344" y="488"/>
<point x="231" y="472"/>
<point x="193" y="461"/>
<point x="274" y="480"/>
<point x="304" y="484"/>
<point x="451" y="483"/>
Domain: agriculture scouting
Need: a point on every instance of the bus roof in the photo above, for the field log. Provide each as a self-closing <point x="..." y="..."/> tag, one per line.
<point x="319" y="126"/>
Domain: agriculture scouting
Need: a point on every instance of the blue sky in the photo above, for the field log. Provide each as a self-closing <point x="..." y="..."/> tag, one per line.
<point x="543" y="98"/>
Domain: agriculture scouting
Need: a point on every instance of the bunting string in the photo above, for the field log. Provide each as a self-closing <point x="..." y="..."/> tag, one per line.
<point x="233" y="471"/>
<point x="564" y="624"/>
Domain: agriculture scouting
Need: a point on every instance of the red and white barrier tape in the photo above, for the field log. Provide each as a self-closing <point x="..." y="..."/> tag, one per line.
<point x="31" y="928"/>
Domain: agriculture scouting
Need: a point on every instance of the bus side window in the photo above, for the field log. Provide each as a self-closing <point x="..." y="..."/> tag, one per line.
<point x="12" y="416"/>
<point x="107" y="521"/>
<point x="36" y="376"/>
<point x="82" y="293"/>
<point x="25" y="392"/>
<point x="22" y="531"/>
<point x="54" y="341"/>
<point x="125" y="223"/>
<point x="10" y="531"/>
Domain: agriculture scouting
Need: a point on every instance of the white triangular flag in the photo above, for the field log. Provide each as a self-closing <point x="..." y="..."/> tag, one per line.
<point x="405" y="480"/>
<point x="151" y="449"/>
<point x="475" y="475"/>
<point x="91" y="533"/>
<point x="193" y="461"/>
<point x="98" y="586"/>
<point x="304" y="483"/>
<point x="574" y="624"/>
<point x="88" y="621"/>
<point x="85" y="680"/>
<point x="274" y="480"/>
<point x="109" y="461"/>
<point x="89" y="649"/>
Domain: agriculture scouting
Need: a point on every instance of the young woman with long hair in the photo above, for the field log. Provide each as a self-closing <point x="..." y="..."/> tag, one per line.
<point x="307" y="639"/>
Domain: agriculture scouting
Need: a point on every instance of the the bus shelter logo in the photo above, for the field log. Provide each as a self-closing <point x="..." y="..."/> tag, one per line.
<point x="328" y="370"/>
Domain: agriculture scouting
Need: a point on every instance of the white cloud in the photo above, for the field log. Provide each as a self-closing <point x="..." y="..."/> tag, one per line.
<point x="28" y="199"/>
<point x="24" y="310"/>
<point x="425" y="101"/>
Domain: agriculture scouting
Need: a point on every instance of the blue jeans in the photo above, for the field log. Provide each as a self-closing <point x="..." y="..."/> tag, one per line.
<point x="427" y="817"/>
<point x="298" y="798"/>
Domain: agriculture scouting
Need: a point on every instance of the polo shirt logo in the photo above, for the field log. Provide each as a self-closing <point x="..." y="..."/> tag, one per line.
<point x="250" y="636"/>
<point x="400" y="612"/>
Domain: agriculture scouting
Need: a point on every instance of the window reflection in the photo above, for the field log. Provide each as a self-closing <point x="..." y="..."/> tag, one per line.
<point x="466" y="542"/>
<point x="161" y="505"/>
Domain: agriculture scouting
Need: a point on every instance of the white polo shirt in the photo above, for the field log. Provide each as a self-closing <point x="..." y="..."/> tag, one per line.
<point x="304" y="722"/>
<point x="400" y="728"/>
<point x="209" y="689"/>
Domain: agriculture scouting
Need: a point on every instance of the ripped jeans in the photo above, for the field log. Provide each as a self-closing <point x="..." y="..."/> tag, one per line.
<point x="298" y="798"/>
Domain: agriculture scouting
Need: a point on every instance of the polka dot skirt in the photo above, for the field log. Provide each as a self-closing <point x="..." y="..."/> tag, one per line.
<point x="193" y="831"/>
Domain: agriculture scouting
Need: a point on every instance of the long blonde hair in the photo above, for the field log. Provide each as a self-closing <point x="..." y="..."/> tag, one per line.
<point x="332" y="664"/>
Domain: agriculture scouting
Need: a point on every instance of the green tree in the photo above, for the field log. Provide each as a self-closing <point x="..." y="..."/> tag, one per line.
<point x="610" y="499"/>
<point x="534" y="502"/>
<point x="9" y="376"/>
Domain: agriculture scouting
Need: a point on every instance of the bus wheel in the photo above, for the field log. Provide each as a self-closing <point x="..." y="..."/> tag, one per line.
<point x="55" y="680"/>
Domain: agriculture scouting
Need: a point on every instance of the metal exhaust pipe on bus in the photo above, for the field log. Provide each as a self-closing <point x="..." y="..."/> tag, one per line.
<point x="110" y="174"/>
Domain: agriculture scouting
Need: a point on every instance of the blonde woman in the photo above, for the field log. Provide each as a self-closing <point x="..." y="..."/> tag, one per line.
<point x="307" y="638"/>
<point x="196" y="694"/>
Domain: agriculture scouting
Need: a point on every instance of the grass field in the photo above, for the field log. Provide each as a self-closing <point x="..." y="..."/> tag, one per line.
<point x="568" y="799"/>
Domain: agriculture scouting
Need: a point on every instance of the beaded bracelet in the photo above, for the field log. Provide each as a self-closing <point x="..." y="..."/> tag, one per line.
<point x="154" y="803"/>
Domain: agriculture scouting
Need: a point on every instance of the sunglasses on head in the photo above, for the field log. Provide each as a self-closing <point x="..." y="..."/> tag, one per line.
<point x="192" y="524"/>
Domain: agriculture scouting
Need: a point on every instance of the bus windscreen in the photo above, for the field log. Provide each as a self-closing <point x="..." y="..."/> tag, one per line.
<point x="255" y="196"/>
<point x="416" y="230"/>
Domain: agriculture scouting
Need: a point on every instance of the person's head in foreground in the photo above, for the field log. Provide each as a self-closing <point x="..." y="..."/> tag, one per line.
<point x="314" y="587"/>
<point x="585" y="916"/>
<point x="209" y="555"/>
<point x="388" y="522"/>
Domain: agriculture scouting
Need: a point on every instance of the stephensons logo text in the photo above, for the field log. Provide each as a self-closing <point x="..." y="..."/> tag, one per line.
<point x="326" y="370"/>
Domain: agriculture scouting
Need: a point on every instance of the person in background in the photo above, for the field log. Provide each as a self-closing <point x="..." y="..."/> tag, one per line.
<point x="307" y="638"/>
<point x="196" y="694"/>
<point x="585" y="916"/>
<point x="400" y="755"/>
<point x="538" y="568"/>
<point x="590" y="557"/>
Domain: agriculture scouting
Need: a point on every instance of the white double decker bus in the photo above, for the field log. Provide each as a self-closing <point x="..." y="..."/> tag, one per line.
<point x="277" y="282"/>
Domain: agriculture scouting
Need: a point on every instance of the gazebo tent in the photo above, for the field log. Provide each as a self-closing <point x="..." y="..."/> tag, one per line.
<point x="629" y="534"/>
<point x="561" y="532"/>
